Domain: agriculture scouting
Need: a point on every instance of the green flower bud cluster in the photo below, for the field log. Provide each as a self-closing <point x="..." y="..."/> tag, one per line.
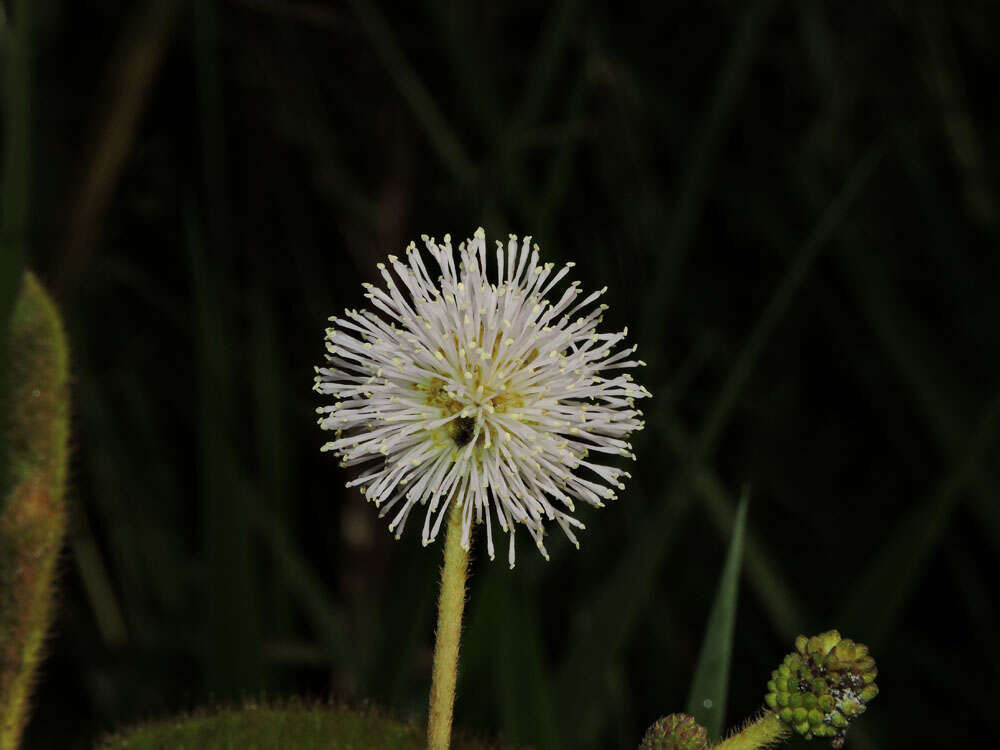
<point x="675" y="732"/>
<point x="821" y="687"/>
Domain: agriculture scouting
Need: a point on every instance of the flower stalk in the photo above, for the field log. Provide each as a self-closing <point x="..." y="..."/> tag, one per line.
<point x="766" y="731"/>
<point x="816" y="692"/>
<point x="451" y="604"/>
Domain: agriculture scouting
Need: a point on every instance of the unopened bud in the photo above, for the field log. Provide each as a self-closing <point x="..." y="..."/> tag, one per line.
<point x="675" y="732"/>
<point x="821" y="687"/>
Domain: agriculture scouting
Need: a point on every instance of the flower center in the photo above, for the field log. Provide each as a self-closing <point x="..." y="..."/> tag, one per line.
<point x="462" y="428"/>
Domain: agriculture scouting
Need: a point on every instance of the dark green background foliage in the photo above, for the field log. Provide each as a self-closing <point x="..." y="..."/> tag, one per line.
<point x="795" y="207"/>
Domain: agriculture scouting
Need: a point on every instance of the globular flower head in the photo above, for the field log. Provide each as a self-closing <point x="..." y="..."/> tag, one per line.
<point x="675" y="732"/>
<point x="500" y="394"/>
<point x="823" y="685"/>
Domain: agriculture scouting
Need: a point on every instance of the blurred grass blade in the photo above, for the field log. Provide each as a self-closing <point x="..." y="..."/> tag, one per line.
<point x="213" y="129"/>
<point x="968" y="153"/>
<point x="707" y="700"/>
<point x="272" y="438"/>
<point x="305" y="121"/>
<point x="921" y="369"/>
<point x="722" y="407"/>
<point x="932" y="380"/>
<point x="473" y="74"/>
<point x="404" y="634"/>
<point x="723" y="404"/>
<point x="780" y="301"/>
<point x="35" y="413"/>
<point x="129" y="79"/>
<point x="560" y="170"/>
<point x="762" y="570"/>
<point x="440" y="134"/>
<point x="605" y="622"/>
<point x="94" y="576"/>
<point x="509" y="628"/>
<point x="14" y="203"/>
<point x="232" y="656"/>
<point x="545" y="65"/>
<point x="298" y="578"/>
<point x="147" y="569"/>
<point x="693" y="190"/>
<point x="232" y="649"/>
<point x="980" y="602"/>
<point x="877" y="599"/>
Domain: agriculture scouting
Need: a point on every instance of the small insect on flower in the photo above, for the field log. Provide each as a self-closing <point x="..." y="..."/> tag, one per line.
<point x="500" y="396"/>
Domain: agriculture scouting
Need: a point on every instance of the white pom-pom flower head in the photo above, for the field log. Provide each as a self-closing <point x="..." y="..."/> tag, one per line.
<point x="496" y="394"/>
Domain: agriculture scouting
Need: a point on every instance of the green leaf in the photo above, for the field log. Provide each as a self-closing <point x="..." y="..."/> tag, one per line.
<point x="35" y="416"/>
<point x="293" y="726"/>
<point x="707" y="700"/>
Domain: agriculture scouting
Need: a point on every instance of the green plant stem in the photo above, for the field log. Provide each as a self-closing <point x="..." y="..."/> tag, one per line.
<point x="766" y="731"/>
<point x="449" y="629"/>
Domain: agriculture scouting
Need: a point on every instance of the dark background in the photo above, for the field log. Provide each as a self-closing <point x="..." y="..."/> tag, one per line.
<point x="795" y="207"/>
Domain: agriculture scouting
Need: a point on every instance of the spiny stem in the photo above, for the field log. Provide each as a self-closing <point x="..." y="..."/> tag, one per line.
<point x="766" y="731"/>
<point x="449" y="629"/>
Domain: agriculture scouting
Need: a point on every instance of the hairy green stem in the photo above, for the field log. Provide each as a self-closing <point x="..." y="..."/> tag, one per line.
<point x="449" y="628"/>
<point x="766" y="731"/>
